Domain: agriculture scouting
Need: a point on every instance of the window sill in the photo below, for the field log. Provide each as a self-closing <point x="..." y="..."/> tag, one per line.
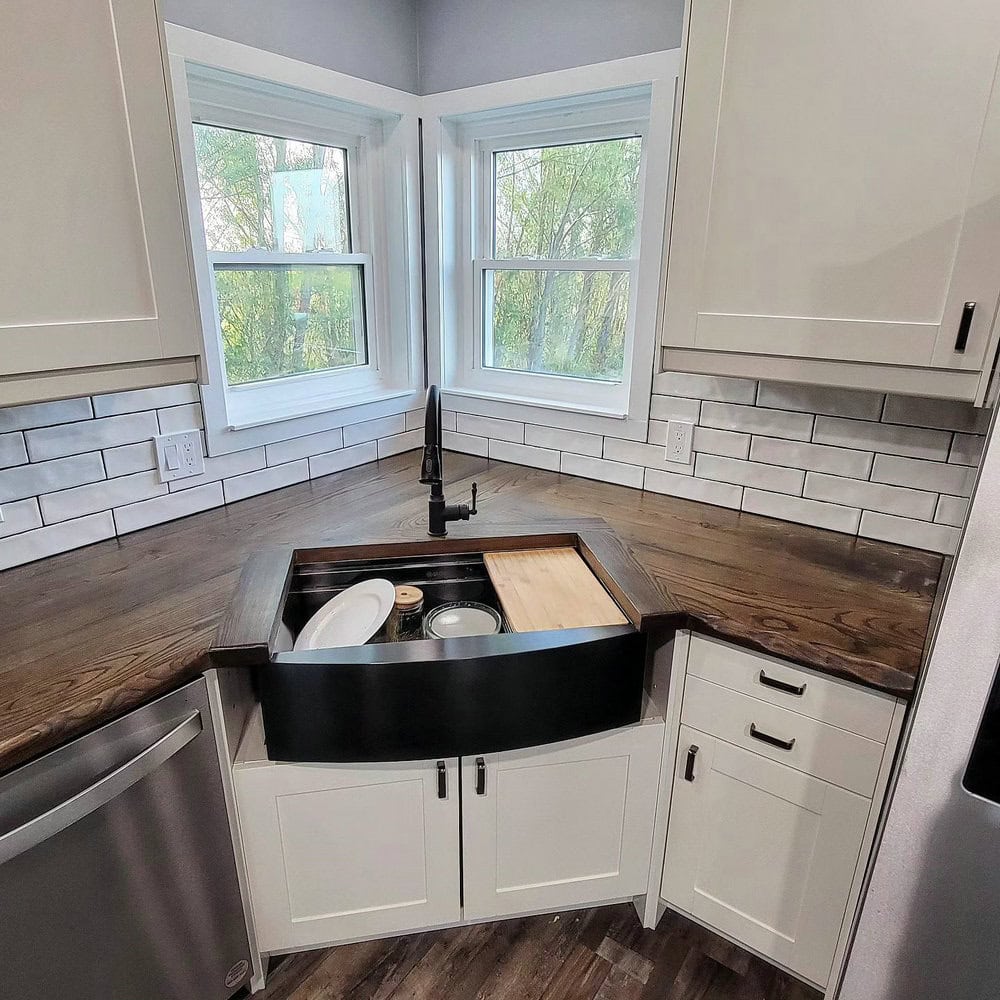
<point x="611" y="413"/>
<point x="267" y="416"/>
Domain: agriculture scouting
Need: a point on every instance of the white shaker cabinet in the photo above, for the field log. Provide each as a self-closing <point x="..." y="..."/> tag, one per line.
<point x="762" y="852"/>
<point x="562" y="826"/>
<point x="837" y="194"/>
<point x="342" y="851"/>
<point x="95" y="258"/>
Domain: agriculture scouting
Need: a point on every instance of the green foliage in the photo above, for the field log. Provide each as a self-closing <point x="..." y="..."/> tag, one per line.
<point x="564" y="202"/>
<point x="259" y="192"/>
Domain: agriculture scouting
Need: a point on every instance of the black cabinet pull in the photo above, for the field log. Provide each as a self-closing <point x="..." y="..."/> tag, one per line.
<point x="964" y="325"/>
<point x="773" y="682"/>
<point x="689" y="765"/>
<point x="442" y="780"/>
<point x="480" y="776"/>
<point x="773" y="741"/>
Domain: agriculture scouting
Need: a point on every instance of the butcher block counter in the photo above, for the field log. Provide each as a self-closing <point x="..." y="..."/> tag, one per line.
<point x="89" y="634"/>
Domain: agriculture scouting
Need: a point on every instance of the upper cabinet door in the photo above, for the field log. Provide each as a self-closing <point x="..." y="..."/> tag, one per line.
<point x="94" y="254"/>
<point x="837" y="191"/>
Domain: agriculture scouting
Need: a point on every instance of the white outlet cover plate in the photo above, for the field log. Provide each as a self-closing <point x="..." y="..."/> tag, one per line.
<point x="179" y="455"/>
<point x="680" y="441"/>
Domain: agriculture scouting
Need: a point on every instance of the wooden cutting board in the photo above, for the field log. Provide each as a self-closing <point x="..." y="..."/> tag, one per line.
<point x="550" y="588"/>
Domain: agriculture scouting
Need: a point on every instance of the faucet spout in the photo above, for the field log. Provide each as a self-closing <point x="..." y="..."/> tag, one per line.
<point x="439" y="513"/>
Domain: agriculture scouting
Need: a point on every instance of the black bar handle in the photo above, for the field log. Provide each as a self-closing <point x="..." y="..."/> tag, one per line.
<point x="689" y="765"/>
<point x="480" y="776"/>
<point x="964" y="325"/>
<point x="773" y="682"/>
<point x="442" y="780"/>
<point x="774" y="741"/>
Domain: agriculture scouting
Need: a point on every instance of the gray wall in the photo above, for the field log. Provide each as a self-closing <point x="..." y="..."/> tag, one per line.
<point x="467" y="42"/>
<point x="372" y="39"/>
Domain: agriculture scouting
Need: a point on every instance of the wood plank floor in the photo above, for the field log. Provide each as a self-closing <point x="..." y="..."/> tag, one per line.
<point x="597" y="954"/>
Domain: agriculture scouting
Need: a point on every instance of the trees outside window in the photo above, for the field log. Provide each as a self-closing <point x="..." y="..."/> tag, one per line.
<point x="568" y="211"/>
<point x="276" y="214"/>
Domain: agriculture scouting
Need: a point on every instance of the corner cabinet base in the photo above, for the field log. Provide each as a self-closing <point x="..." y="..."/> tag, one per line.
<point x="343" y="852"/>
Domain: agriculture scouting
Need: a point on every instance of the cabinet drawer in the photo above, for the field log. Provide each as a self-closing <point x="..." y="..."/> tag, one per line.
<point x="826" y="699"/>
<point x="837" y="756"/>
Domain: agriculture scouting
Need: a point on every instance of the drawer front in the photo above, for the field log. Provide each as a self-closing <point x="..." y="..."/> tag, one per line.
<point x="837" y="756"/>
<point x="826" y="699"/>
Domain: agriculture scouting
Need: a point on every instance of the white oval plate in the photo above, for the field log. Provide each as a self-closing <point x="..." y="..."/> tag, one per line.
<point x="351" y="618"/>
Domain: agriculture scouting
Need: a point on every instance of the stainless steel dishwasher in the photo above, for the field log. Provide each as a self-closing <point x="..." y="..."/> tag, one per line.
<point x="117" y="874"/>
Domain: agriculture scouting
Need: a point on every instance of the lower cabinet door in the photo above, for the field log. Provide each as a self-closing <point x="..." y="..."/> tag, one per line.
<point x="341" y="851"/>
<point x="559" y="826"/>
<point x="762" y="852"/>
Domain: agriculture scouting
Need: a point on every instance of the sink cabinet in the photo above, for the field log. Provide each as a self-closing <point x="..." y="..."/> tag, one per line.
<point x="338" y="852"/>
<point x="559" y="827"/>
<point x="341" y="852"/>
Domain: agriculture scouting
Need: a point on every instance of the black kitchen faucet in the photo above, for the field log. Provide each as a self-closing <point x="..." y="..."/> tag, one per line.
<point x="439" y="513"/>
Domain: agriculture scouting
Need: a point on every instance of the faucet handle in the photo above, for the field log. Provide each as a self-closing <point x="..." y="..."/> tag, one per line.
<point x="475" y="490"/>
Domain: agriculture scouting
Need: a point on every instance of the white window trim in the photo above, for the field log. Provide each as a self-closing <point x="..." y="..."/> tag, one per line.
<point x="553" y="101"/>
<point x="379" y="127"/>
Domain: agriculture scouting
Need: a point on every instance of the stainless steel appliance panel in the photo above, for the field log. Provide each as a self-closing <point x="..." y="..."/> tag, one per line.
<point x="117" y="875"/>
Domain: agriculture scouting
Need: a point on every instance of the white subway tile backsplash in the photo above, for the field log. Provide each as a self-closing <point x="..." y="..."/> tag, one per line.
<point x="904" y="531"/>
<point x="871" y="496"/>
<point x="104" y="495"/>
<point x="370" y="430"/>
<point x="788" y="508"/>
<point x="180" y="418"/>
<point x="21" y="515"/>
<point x="812" y="457"/>
<point x="491" y="427"/>
<point x="398" y="443"/>
<point x="263" y="481"/>
<point x="168" y="507"/>
<point x="693" y="488"/>
<point x="524" y="454"/>
<point x="449" y="420"/>
<point x="946" y="414"/>
<point x="415" y="419"/>
<point x="675" y="408"/>
<point x="756" y="474"/>
<point x="12" y="450"/>
<point x="952" y="510"/>
<point x="599" y="468"/>
<point x="939" y="477"/>
<point x="302" y="447"/>
<point x="469" y="444"/>
<point x="652" y="456"/>
<point x="23" y="481"/>
<point x="346" y="458"/>
<point x="63" y="411"/>
<point x="728" y="444"/>
<point x="236" y="463"/>
<point x="818" y="399"/>
<point x="893" y="439"/>
<point x="90" y="435"/>
<point x="145" y="399"/>
<point x="42" y="542"/>
<point x="129" y="458"/>
<point x="757" y="420"/>
<point x="967" y="449"/>
<point x="578" y="442"/>
<point x="723" y="390"/>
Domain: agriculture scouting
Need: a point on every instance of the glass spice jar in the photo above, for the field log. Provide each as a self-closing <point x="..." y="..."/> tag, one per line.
<point x="406" y="620"/>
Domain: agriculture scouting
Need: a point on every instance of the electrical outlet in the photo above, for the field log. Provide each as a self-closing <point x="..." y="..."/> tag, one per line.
<point x="179" y="455"/>
<point x="680" y="436"/>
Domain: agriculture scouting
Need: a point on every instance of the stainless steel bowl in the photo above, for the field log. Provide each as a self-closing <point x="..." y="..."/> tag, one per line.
<point x="461" y="618"/>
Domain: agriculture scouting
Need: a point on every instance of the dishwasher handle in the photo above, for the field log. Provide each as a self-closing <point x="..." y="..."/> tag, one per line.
<point x="100" y="793"/>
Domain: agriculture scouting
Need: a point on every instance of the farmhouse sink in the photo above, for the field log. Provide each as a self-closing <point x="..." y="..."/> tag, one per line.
<point x="435" y="698"/>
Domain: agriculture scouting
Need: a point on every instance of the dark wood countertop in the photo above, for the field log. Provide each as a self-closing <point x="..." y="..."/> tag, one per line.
<point x="92" y="633"/>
